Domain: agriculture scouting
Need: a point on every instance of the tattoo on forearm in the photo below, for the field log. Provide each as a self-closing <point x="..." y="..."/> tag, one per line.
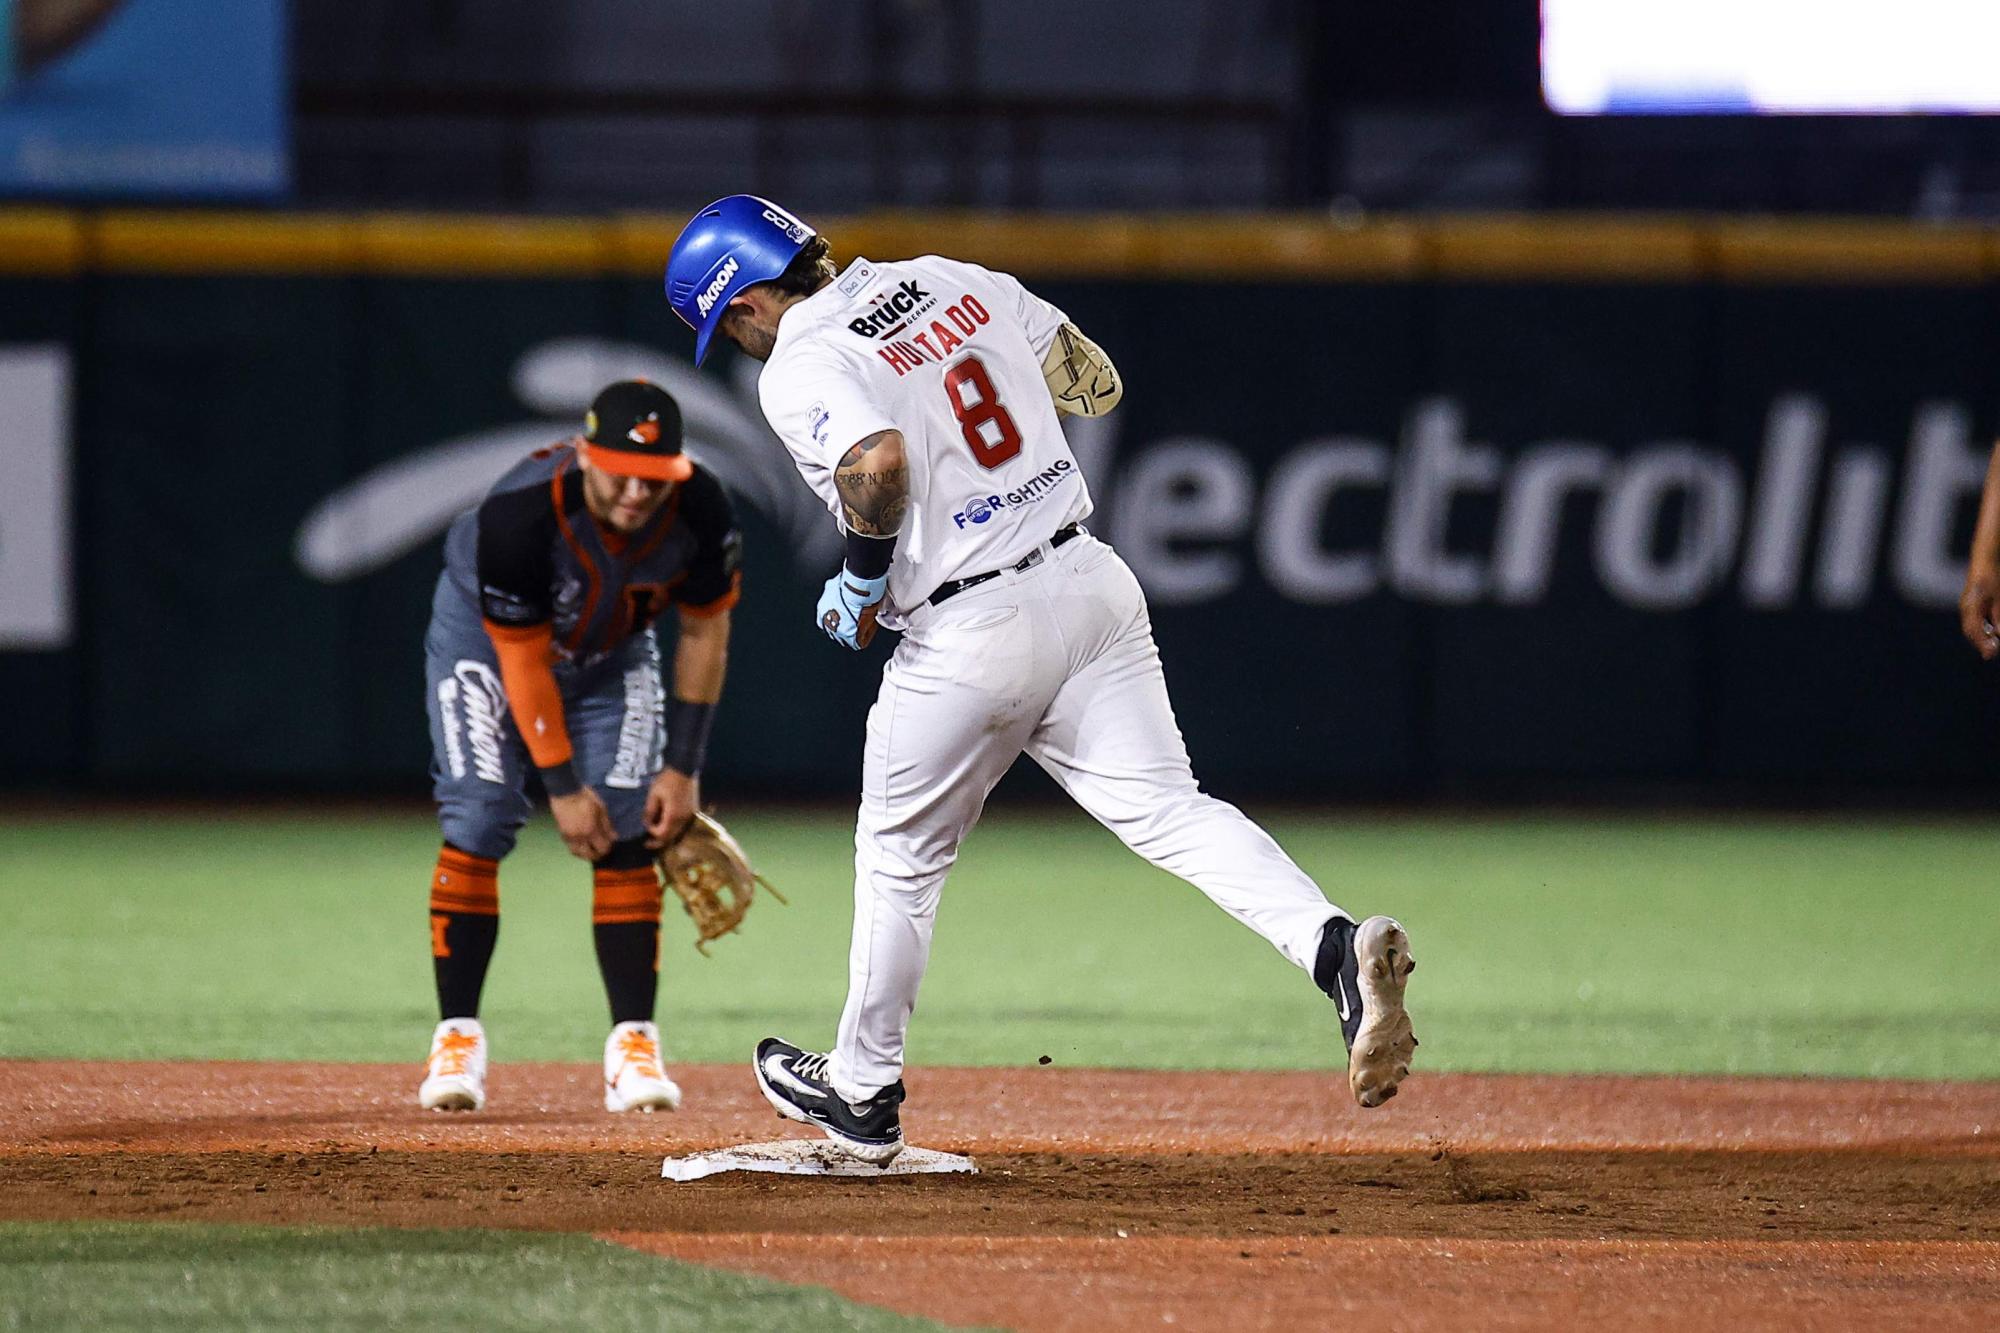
<point x="874" y="488"/>
<point x="874" y="502"/>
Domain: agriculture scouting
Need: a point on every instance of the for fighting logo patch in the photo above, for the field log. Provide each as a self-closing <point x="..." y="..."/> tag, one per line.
<point x="981" y="508"/>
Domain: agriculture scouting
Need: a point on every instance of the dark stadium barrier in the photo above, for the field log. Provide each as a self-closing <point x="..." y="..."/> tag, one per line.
<point x="1458" y="509"/>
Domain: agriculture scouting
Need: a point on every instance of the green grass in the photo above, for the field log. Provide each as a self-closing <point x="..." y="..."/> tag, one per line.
<point x="1850" y="946"/>
<point x="149" y="1276"/>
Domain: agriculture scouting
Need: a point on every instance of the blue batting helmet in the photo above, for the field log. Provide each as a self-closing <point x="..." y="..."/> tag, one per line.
<point x="729" y="245"/>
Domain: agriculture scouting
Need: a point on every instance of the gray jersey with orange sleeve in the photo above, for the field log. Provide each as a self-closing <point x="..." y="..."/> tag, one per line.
<point x="531" y="558"/>
<point x="530" y="554"/>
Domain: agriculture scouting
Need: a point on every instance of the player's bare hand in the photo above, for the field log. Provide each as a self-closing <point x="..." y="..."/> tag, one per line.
<point x="1979" y="611"/>
<point x="670" y="806"/>
<point x="584" y="823"/>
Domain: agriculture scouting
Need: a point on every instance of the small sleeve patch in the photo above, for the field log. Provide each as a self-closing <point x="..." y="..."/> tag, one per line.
<point x="516" y="569"/>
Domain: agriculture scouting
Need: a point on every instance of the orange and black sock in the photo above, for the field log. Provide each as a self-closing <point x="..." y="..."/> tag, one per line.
<point x="625" y="924"/>
<point x="465" y="922"/>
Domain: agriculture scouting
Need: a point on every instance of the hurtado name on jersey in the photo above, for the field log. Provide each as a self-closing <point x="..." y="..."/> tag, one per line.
<point x="949" y="356"/>
<point x="951" y="330"/>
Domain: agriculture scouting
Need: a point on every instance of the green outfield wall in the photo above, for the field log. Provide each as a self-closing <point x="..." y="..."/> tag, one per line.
<point x="1452" y="507"/>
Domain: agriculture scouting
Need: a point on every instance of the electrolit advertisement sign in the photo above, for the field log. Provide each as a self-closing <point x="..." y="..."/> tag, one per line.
<point x="1753" y="57"/>
<point x="145" y="98"/>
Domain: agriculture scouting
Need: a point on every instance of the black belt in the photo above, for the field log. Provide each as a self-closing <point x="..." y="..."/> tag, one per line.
<point x="953" y="587"/>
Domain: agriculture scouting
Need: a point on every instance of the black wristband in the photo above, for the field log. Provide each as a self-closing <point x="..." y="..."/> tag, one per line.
<point x="870" y="556"/>
<point x="560" y="779"/>
<point x="688" y="725"/>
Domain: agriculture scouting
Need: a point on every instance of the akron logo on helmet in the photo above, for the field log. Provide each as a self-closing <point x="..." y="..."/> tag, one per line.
<point x="706" y="301"/>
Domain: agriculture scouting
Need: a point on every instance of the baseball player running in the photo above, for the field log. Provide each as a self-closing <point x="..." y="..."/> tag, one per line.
<point x="541" y="658"/>
<point x="920" y="400"/>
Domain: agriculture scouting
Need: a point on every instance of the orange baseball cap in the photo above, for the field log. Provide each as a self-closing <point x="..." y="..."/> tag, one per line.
<point x="633" y="429"/>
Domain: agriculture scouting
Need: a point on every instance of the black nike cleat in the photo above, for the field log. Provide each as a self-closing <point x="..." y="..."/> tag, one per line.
<point x="795" y="1082"/>
<point x="1363" y="970"/>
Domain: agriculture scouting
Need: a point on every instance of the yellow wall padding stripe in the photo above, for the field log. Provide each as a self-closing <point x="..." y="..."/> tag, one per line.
<point x="1243" y="248"/>
<point x="414" y="244"/>
<point x="247" y="243"/>
<point x="1086" y="245"/>
<point x="1851" y="252"/>
<point x="373" y="243"/>
<point x="1508" y="248"/>
<point x="1220" y="247"/>
<point x="40" y="242"/>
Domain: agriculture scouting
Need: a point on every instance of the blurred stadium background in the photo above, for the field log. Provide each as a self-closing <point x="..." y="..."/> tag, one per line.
<point x="1474" y="451"/>
<point x="1575" y="408"/>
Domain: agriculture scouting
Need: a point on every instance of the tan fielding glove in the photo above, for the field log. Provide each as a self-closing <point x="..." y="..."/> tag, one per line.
<point x="1080" y="376"/>
<point x="708" y="870"/>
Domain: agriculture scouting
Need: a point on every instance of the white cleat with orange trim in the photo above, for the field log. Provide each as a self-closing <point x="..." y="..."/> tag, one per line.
<point x="633" y="1078"/>
<point x="455" y="1074"/>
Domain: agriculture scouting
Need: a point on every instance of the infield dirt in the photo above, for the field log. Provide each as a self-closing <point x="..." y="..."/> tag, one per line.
<point x="1117" y="1199"/>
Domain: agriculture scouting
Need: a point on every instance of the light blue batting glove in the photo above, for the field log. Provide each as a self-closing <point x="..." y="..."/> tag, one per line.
<point x="846" y="607"/>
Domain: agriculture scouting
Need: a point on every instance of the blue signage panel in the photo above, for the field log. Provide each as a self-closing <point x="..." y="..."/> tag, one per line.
<point x="148" y="98"/>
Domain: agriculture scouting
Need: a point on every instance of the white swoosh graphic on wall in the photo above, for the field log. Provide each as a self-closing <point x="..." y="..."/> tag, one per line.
<point x="391" y="510"/>
<point x="399" y="506"/>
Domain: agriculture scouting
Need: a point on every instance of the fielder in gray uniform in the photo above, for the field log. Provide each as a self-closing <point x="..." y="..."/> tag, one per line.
<point x="542" y="665"/>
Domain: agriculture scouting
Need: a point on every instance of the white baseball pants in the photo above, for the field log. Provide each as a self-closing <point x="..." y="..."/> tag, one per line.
<point x="1058" y="661"/>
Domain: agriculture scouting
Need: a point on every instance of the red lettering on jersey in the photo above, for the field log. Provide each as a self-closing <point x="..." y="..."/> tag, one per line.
<point x="895" y="359"/>
<point x="946" y="338"/>
<point x="960" y="318"/>
<point x="973" y="308"/>
<point x="922" y="341"/>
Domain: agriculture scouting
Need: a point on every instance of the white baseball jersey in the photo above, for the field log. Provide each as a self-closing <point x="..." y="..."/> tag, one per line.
<point x="950" y="355"/>
<point x="1055" y="660"/>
